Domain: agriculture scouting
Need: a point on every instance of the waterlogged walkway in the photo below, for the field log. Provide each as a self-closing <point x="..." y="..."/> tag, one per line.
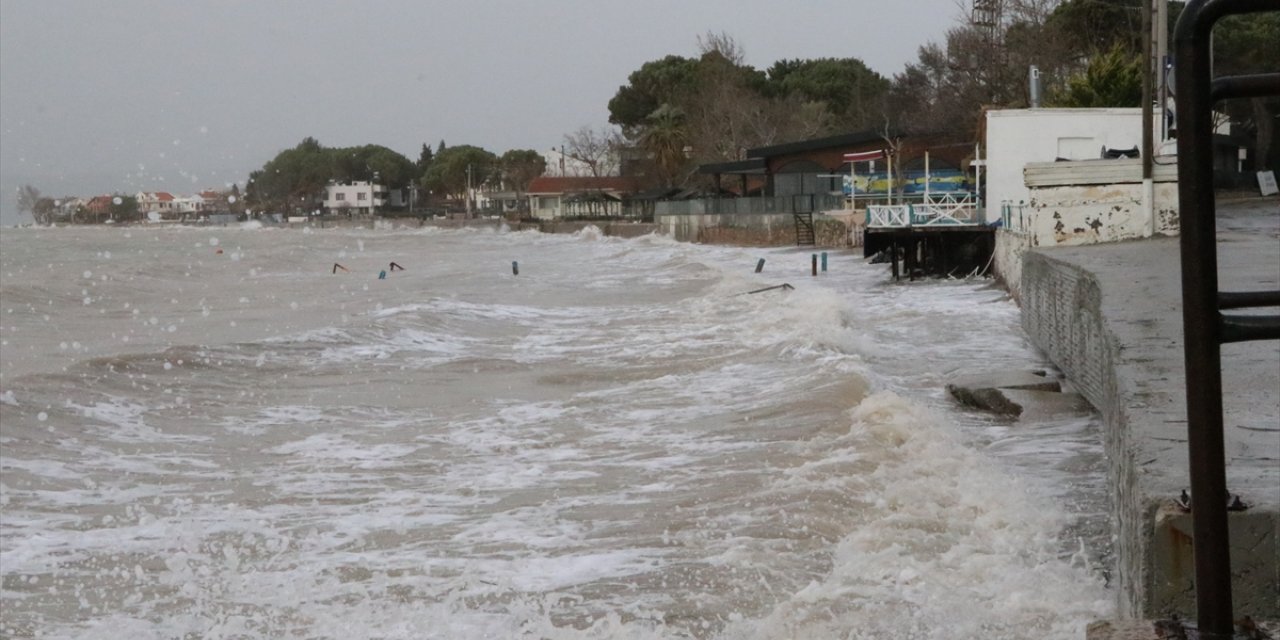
<point x="1111" y="317"/>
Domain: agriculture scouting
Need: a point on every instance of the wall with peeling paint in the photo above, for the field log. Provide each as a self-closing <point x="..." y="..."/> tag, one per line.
<point x="1089" y="214"/>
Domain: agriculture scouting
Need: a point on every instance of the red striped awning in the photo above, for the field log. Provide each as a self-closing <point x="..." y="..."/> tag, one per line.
<point x="864" y="156"/>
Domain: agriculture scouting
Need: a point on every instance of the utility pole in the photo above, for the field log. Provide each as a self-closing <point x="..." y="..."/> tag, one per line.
<point x="468" y="189"/>
<point x="1148" y="188"/>
<point x="1161" y="26"/>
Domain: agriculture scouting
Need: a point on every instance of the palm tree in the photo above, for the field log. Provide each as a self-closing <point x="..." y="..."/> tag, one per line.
<point x="666" y="137"/>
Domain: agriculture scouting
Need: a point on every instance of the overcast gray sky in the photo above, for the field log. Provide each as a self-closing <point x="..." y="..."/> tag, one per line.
<point x="136" y="95"/>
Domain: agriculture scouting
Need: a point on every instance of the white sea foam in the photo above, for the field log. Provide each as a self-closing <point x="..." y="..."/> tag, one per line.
<point x="614" y="444"/>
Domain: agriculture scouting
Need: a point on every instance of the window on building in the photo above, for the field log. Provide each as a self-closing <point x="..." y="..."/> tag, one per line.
<point x="361" y="196"/>
<point x="339" y="196"/>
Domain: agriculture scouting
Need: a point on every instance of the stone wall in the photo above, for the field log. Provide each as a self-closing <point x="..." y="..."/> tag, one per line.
<point x="1007" y="262"/>
<point x="619" y="229"/>
<point x="1107" y="317"/>
<point x="751" y="230"/>
<point x="1062" y="313"/>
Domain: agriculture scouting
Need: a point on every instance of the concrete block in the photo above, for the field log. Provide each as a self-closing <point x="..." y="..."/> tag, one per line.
<point x="990" y="391"/>
<point x="1035" y="405"/>
<point x="1254" y="548"/>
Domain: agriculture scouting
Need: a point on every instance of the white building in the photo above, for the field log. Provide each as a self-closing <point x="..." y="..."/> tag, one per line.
<point x="159" y="203"/>
<point x="1016" y="137"/>
<point x="1049" y="182"/>
<point x="355" y="198"/>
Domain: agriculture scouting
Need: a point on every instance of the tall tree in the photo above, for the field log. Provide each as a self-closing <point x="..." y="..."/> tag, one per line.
<point x="654" y="84"/>
<point x="28" y="196"/>
<point x="519" y="167"/>
<point x="124" y="208"/>
<point x="849" y="90"/>
<point x="294" y="179"/>
<point x="372" y="161"/>
<point x="1245" y="45"/>
<point x="44" y="210"/>
<point x="665" y="138"/>
<point x="1093" y="27"/>
<point x="424" y="159"/>
<point x="979" y="66"/>
<point x="598" y="149"/>
<point x="1113" y="79"/>
<point x="713" y="108"/>
<point x="449" y="171"/>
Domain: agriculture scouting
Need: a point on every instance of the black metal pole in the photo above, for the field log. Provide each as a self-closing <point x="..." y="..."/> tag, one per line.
<point x="1147" y="117"/>
<point x="1202" y="349"/>
<point x="1200" y="311"/>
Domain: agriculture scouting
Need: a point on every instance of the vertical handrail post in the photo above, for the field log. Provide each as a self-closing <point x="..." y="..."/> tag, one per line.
<point x="1202" y="349"/>
<point x="1201" y="315"/>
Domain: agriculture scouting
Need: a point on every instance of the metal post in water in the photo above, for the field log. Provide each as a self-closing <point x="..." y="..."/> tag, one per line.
<point x="760" y="265"/>
<point x="824" y="260"/>
<point x="815" y="264"/>
<point x="515" y="268"/>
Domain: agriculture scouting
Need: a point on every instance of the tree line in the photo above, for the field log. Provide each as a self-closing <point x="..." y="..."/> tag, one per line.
<point x="296" y="178"/>
<point x="677" y="112"/>
<point x="681" y="112"/>
<point x="45" y="210"/>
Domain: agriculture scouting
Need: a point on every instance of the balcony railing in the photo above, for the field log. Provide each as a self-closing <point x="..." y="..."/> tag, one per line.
<point x="946" y="210"/>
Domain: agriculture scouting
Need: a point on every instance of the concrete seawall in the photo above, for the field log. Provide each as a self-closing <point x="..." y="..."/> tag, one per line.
<point x="753" y="230"/>
<point x="1110" y="316"/>
<point x="619" y="229"/>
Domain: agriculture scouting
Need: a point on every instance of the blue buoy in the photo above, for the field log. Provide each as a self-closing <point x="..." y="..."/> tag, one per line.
<point x="382" y="275"/>
<point x="824" y="260"/>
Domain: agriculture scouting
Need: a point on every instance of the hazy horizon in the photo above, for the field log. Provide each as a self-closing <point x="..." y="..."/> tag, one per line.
<point x="134" y="96"/>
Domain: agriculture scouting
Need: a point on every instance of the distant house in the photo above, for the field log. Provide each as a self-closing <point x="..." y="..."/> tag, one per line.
<point x="158" y="202"/>
<point x="67" y="208"/>
<point x="553" y="197"/>
<point x="208" y="201"/>
<point x="99" y="207"/>
<point x="355" y="198"/>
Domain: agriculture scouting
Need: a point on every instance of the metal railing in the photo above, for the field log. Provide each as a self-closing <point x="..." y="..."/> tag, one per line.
<point x="1206" y="328"/>
<point x="1015" y="217"/>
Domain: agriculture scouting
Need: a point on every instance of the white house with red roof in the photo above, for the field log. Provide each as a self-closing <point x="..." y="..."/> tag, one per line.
<point x="158" y="202"/>
<point x="553" y="197"/>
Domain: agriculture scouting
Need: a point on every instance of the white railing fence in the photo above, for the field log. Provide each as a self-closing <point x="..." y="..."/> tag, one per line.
<point x="943" y="210"/>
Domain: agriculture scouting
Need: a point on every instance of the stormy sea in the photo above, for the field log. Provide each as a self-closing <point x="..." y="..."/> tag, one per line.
<point x="216" y="433"/>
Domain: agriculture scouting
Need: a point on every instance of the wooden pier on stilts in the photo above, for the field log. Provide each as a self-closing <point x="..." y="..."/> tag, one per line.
<point x="941" y="236"/>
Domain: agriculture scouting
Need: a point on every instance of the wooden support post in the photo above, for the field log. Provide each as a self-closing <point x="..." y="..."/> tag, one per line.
<point x="909" y="260"/>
